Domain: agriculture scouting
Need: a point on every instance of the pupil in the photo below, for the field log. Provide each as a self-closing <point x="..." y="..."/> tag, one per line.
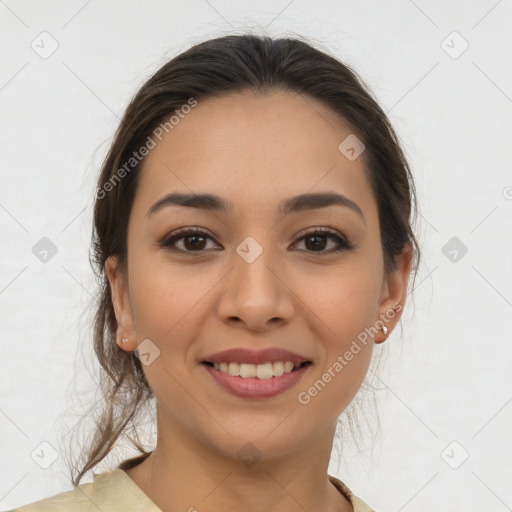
<point x="194" y="244"/>
<point x="316" y="244"/>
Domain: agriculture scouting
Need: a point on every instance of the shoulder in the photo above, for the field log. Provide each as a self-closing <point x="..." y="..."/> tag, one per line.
<point x="111" y="491"/>
<point x="357" y="503"/>
<point x="76" y="500"/>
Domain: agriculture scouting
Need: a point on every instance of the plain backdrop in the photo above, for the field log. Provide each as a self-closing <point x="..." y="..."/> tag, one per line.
<point x="442" y="71"/>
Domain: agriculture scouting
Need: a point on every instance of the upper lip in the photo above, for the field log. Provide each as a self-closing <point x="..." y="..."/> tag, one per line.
<point x="243" y="355"/>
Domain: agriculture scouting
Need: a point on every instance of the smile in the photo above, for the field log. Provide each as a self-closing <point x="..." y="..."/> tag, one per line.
<point x="260" y="371"/>
<point x="256" y="380"/>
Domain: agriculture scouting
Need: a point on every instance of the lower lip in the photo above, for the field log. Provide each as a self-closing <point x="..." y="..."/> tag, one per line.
<point x="254" y="387"/>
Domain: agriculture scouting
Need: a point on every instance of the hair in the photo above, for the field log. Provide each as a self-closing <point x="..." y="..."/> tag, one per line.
<point x="215" y="68"/>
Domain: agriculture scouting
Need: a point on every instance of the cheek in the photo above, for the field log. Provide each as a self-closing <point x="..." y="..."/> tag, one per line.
<point x="166" y="302"/>
<point x="167" y="299"/>
<point x="345" y="304"/>
<point x="345" y="300"/>
<point x="346" y="307"/>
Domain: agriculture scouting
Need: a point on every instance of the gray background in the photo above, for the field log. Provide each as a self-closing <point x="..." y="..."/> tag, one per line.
<point x="445" y="386"/>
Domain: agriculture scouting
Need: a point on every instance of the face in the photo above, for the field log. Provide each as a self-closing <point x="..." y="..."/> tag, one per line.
<point x="308" y="280"/>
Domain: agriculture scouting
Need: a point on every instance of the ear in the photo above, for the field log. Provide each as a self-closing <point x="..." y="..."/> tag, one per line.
<point x="121" y="303"/>
<point x="393" y="294"/>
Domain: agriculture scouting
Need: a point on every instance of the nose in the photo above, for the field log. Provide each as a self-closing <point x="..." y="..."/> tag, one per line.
<point x="256" y="295"/>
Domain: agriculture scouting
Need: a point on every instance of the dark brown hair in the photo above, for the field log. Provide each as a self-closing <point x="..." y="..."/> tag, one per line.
<point x="228" y="64"/>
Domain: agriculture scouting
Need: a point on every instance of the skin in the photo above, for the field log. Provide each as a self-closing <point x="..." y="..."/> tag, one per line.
<point x="254" y="150"/>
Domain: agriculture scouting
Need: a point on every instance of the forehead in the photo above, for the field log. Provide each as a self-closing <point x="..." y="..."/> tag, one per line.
<point x="254" y="149"/>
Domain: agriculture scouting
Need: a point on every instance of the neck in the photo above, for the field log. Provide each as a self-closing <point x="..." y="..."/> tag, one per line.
<point x="185" y="474"/>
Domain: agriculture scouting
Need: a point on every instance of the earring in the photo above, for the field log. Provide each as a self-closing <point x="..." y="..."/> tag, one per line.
<point x="385" y="331"/>
<point x="124" y="340"/>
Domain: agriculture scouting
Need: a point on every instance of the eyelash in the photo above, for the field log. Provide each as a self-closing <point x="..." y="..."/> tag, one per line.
<point x="343" y="244"/>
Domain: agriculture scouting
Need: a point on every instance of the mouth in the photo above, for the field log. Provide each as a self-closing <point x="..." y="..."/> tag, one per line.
<point x="256" y="381"/>
<point x="268" y="370"/>
<point x="249" y="373"/>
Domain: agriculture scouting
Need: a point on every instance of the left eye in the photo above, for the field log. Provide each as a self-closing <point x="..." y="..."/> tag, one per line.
<point x="195" y="241"/>
<point x="317" y="238"/>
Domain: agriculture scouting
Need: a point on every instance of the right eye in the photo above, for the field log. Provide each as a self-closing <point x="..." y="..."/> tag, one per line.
<point x="194" y="240"/>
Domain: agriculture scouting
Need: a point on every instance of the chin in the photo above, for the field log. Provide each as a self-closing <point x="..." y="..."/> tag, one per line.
<point x="251" y="443"/>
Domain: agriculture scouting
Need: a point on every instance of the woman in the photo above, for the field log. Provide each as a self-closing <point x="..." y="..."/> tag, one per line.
<point x="252" y="233"/>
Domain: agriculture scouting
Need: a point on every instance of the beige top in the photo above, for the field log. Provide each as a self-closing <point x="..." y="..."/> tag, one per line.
<point x="115" y="491"/>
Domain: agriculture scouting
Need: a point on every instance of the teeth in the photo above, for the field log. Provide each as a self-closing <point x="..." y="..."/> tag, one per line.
<point x="248" y="371"/>
<point x="261" y="371"/>
<point x="264" y="371"/>
<point x="278" y="368"/>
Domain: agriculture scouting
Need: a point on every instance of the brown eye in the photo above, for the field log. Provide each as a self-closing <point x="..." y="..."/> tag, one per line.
<point x="316" y="241"/>
<point x="193" y="241"/>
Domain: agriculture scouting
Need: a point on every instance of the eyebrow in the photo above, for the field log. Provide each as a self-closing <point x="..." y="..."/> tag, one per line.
<point x="214" y="203"/>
